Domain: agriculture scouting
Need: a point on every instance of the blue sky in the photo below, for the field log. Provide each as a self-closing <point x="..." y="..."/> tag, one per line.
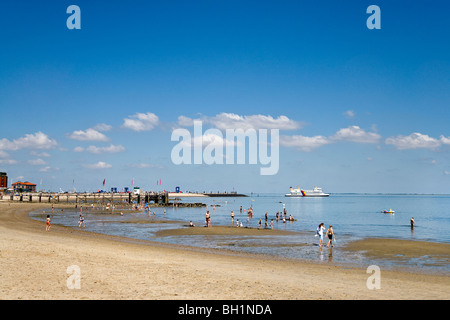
<point x="367" y="110"/>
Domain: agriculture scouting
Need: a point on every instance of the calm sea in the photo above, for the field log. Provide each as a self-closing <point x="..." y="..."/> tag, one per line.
<point x="353" y="216"/>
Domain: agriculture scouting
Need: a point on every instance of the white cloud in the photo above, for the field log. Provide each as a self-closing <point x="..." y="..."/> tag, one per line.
<point x="349" y="114"/>
<point x="37" y="140"/>
<point x="141" y="121"/>
<point x="99" y="150"/>
<point x="37" y="162"/>
<point x="111" y="149"/>
<point x="3" y="154"/>
<point x="303" y="143"/>
<point x="414" y="141"/>
<point x="88" y="135"/>
<point x="444" y="140"/>
<point x="102" y="127"/>
<point x="143" y="165"/>
<point x="39" y="154"/>
<point x="225" y="121"/>
<point x="45" y="169"/>
<point x="7" y="161"/>
<point x="185" y="121"/>
<point x="98" y="165"/>
<point x="356" y="134"/>
<point x="447" y="173"/>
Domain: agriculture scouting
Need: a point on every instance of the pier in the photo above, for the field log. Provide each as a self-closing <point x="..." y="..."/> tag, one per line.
<point x="161" y="198"/>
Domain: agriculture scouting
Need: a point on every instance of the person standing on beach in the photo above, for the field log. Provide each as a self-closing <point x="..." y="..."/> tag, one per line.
<point x="330" y="235"/>
<point x="320" y="230"/>
<point x="47" y="224"/>
<point x="232" y="217"/>
<point x="81" y="221"/>
<point x="208" y="219"/>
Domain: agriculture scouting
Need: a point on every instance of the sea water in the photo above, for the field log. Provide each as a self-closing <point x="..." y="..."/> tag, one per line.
<point x="353" y="217"/>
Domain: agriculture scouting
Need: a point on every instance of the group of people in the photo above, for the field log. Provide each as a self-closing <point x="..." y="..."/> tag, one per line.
<point x="48" y="224"/>
<point x="330" y="234"/>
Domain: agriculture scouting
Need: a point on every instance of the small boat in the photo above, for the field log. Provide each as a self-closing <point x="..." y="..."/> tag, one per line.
<point x="390" y="211"/>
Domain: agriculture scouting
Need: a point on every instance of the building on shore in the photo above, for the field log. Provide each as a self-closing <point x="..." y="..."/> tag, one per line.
<point x="24" y="186"/>
<point x="3" y="181"/>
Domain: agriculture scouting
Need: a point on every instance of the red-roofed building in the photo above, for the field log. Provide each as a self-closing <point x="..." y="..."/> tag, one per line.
<point x="3" y="180"/>
<point x="25" y="186"/>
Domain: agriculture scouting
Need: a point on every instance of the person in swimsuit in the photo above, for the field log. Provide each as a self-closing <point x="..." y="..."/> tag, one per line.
<point x="208" y="219"/>
<point x="320" y="230"/>
<point x="330" y="236"/>
<point x="81" y="222"/>
<point x="47" y="224"/>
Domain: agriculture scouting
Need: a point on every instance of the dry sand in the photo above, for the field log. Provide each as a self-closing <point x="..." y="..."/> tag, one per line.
<point x="33" y="265"/>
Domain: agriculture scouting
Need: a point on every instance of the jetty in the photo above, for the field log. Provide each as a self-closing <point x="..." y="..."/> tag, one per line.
<point x="160" y="198"/>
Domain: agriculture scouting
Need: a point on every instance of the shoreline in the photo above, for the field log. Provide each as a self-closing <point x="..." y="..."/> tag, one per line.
<point x="119" y="268"/>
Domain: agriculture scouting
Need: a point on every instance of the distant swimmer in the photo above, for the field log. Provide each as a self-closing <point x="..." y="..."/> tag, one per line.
<point x="412" y="222"/>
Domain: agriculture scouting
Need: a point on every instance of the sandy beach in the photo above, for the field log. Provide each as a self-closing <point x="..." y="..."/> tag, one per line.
<point x="34" y="264"/>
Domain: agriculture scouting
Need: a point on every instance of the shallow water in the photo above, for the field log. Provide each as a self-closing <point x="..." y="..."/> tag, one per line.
<point x="353" y="216"/>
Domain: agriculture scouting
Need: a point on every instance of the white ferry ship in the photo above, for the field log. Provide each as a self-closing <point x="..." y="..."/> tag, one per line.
<point x="316" y="192"/>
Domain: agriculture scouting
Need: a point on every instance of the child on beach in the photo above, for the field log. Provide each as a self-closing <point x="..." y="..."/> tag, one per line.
<point x="208" y="219"/>
<point x="47" y="224"/>
<point x="81" y="222"/>
<point x="320" y="230"/>
<point x="330" y="236"/>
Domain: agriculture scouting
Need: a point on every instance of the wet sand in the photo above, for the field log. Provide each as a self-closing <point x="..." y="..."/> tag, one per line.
<point x="396" y="249"/>
<point x="222" y="231"/>
<point x="33" y="265"/>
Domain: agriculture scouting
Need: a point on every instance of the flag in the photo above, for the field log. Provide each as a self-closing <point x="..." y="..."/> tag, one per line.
<point x="104" y="180"/>
<point x="132" y="182"/>
<point x="160" y="181"/>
